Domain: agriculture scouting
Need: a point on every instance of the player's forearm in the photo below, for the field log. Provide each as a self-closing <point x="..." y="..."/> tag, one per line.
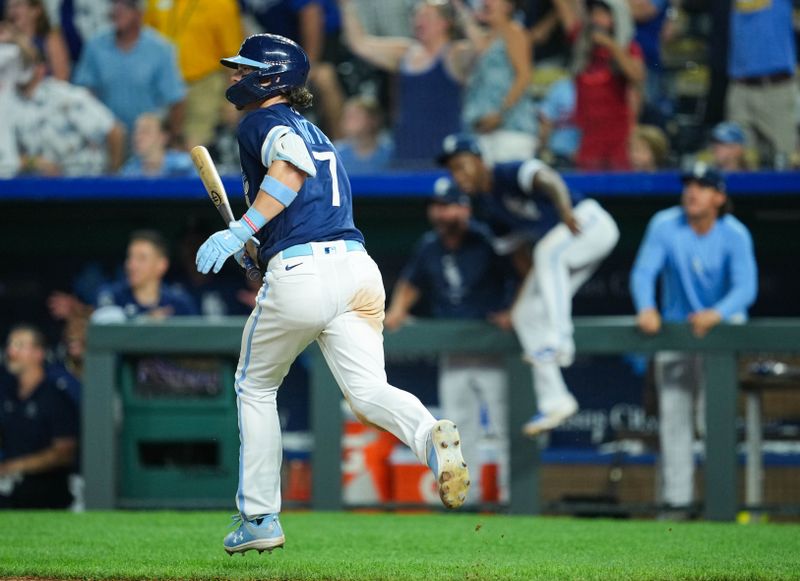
<point x="548" y="181"/>
<point x="404" y="297"/>
<point x="57" y="456"/>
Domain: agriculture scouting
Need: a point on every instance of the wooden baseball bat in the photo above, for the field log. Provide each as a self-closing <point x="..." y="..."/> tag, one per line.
<point x="216" y="191"/>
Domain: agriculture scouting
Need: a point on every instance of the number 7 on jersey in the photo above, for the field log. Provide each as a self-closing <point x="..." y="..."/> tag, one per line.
<point x="330" y="157"/>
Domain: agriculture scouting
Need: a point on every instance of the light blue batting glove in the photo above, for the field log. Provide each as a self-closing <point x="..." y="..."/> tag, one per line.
<point x="219" y="247"/>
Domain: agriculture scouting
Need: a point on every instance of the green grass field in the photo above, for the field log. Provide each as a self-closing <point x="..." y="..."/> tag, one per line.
<point x="183" y="545"/>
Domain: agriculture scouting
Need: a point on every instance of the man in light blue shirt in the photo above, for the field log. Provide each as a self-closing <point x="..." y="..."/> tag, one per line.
<point x="132" y="69"/>
<point x="704" y="258"/>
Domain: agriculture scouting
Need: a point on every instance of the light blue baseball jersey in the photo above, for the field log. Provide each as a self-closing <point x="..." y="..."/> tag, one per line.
<point x="514" y="205"/>
<point x="323" y="209"/>
<point x="716" y="270"/>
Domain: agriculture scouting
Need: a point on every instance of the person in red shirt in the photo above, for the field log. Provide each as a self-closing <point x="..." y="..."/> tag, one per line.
<point x="609" y="69"/>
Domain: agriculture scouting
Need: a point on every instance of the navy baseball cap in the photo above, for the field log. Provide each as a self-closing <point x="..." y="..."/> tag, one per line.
<point x="728" y="132"/>
<point x="706" y="175"/>
<point x="458" y="143"/>
<point x="446" y="192"/>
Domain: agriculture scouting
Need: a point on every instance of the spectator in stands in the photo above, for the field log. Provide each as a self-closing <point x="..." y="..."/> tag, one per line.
<point x="430" y="69"/>
<point x="455" y="270"/>
<point x="79" y="20"/>
<point x="304" y="22"/>
<point x="728" y="150"/>
<point x="704" y="258"/>
<point x="16" y="58"/>
<point x="608" y="67"/>
<point x="151" y="155"/>
<point x="559" y="138"/>
<point x="364" y="147"/>
<point x="144" y="292"/>
<point x="648" y="149"/>
<point x="386" y="18"/>
<point x="552" y="27"/>
<point x="30" y="18"/>
<point x="38" y="429"/>
<point x="497" y="106"/>
<point x="110" y="58"/>
<point x="203" y="32"/>
<point x="82" y="139"/>
<point x="761" y="94"/>
<point x="649" y="17"/>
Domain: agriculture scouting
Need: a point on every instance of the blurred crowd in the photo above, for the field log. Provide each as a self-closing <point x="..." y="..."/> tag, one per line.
<point x="95" y="87"/>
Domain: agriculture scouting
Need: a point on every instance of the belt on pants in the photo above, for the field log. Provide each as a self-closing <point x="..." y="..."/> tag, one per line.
<point x="765" y="80"/>
<point x="308" y="250"/>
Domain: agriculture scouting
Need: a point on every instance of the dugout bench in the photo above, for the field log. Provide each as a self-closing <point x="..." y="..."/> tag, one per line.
<point x="106" y="376"/>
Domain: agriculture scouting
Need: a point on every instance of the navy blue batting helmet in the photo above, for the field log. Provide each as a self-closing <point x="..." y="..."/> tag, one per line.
<point x="280" y="64"/>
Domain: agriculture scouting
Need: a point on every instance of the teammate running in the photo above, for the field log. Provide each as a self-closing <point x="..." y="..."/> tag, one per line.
<point x="531" y="199"/>
<point x="320" y="284"/>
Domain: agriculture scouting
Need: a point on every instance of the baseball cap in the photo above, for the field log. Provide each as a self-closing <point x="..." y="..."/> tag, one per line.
<point x="706" y="175"/>
<point x="458" y="143"/>
<point x="728" y="132"/>
<point x="446" y="192"/>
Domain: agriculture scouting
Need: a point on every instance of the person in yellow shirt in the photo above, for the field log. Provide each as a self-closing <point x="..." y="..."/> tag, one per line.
<point x="203" y="31"/>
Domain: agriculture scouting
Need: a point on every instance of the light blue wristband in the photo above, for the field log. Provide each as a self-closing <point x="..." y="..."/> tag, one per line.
<point x="278" y="190"/>
<point x="254" y="219"/>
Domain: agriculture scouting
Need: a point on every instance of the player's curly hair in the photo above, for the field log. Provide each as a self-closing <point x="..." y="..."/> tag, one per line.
<point x="300" y="97"/>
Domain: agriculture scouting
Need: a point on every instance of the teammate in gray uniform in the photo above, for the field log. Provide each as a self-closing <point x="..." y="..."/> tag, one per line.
<point x="320" y="285"/>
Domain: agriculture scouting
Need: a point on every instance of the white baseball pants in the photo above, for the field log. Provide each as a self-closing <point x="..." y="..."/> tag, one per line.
<point x="335" y="297"/>
<point x="681" y="403"/>
<point x="542" y="315"/>
<point x="466" y="384"/>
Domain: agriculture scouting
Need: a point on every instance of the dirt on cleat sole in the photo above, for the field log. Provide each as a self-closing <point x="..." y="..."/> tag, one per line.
<point x="453" y="477"/>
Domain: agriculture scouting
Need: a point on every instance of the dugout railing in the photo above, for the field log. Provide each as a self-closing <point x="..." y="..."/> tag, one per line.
<point x="111" y="346"/>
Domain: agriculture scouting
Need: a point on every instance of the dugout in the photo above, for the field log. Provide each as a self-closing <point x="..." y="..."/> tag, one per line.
<point x="391" y="212"/>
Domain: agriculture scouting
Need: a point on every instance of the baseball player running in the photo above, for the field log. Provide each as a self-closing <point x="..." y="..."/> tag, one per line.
<point x="320" y="284"/>
<point x="572" y="236"/>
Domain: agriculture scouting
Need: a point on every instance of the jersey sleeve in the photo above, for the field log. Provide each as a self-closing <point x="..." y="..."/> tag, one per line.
<point x="648" y="265"/>
<point x="743" y="275"/>
<point x="64" y="418"/>
<point x="414" y="271"/>
<point x="525" y="174"/>
<point x="283" y="143"/>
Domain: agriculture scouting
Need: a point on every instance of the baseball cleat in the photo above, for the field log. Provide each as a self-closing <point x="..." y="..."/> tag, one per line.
<point x="542" y="422"/>
<point x="447" y="463"/>
<point x="262" y="534"/>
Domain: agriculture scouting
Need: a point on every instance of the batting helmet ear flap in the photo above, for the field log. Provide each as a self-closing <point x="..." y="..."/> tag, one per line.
<point x="277" y="59"/>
